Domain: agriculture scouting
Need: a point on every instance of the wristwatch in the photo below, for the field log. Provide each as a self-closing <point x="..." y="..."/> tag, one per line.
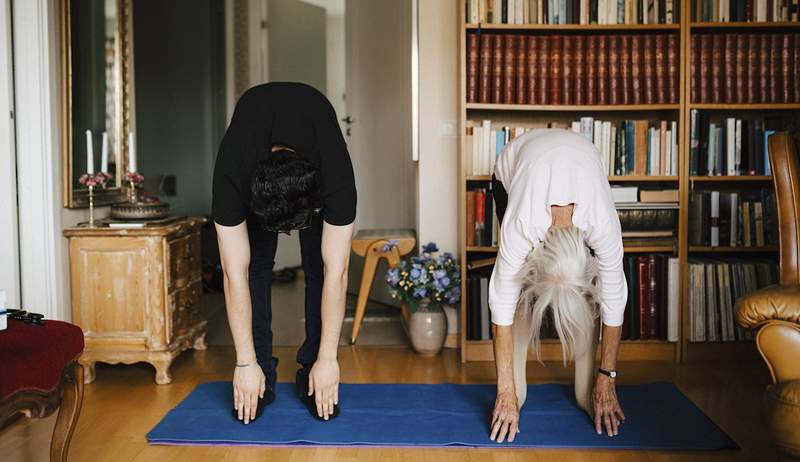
<point x="612" y="374"/>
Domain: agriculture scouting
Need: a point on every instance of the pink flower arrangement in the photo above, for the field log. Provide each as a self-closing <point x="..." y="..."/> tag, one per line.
<point x="133" y="177"/>
<point x="93" y="179"/>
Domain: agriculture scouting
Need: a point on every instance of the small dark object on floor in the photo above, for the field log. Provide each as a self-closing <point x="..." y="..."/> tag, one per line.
<point x="285" y="275"/>
<point x="27" y="318"/>
<point x="301" y="385"/>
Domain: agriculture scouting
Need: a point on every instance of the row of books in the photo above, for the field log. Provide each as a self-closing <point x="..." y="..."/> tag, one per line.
<point x="728" y="147"/>
<point x="479" y="321"/>
<point x="714" y="287"/>
<point x="572" y="69"/>
<point x="745" y="68"/>
<point x="722" y="218"/>
<point x="746" y="10"/>
<point x="572" y="11"/>
<point x="482" y="224"/>
<point x="628" y="147"/>
<point x="653" y="297"/>
<point x="649" y="224"/>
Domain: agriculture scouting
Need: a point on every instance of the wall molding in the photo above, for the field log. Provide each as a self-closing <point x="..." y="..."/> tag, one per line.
<point x="42" y="249"/>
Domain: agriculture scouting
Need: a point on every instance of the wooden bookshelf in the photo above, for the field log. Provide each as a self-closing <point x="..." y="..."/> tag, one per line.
<point x="680" y="112"/>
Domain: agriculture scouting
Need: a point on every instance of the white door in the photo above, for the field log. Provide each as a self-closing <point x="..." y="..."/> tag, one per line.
<point x="378" y="119"/>
<point x="377" y="124"/>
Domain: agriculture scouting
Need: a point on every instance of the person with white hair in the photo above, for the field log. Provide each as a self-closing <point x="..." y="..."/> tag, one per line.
<point x="560" y="250"/>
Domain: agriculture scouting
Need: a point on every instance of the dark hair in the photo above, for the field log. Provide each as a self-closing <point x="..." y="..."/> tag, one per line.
<point x="284" y="192"/>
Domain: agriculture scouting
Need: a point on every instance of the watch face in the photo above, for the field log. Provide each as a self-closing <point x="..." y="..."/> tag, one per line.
<point x="613" y="374"/>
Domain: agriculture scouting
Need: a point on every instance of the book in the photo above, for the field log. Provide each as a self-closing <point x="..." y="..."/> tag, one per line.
<point x="659" y="195"/>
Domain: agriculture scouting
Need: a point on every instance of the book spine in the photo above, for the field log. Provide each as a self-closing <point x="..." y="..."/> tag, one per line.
<point x="672" y="68"/>
<point x="602" y="69"/>
<point x="544" y="70"/>
<point x="509" y="68"/>
<point x="660" y="69"/>
<point x="774" y="68"/>
<point x="796" y="61"/>
<point x="787" y="84"/>
<point x="648" y="59"/>
<point x="729" y="89"/>
<point x="497" y="69"/>
<point x="740" y="59"/>
<point x="579" y="61"/>
<point x="533" y="70"/>
<point x="637" y="71"/>
<point x="470" y="218"/>
<point x="643" y="278"/>
<point x="521" y="76"/>
<point x="624" y="43"/>
<point x="556" y="69"/>
<point x="567" y="77"/>
<point x="764" y="68"/>
<point x="705" y="68"/>
<point x="717" y="69"/>
<point x="591" y="70"/>
<point x="614" y="90"/>
<point x="472" y="71"/>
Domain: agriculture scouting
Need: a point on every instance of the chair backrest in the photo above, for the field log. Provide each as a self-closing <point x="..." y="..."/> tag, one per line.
<point x="786" y="176"/>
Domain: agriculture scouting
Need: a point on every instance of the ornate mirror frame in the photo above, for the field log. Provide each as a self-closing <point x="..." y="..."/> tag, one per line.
<point x="124" y="120"/>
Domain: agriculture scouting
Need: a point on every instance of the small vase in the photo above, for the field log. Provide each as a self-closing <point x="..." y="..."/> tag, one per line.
<point x="427" y="329"/>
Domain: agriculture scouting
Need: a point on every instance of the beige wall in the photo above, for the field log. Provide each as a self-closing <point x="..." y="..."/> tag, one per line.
<point x="438" y="123"/>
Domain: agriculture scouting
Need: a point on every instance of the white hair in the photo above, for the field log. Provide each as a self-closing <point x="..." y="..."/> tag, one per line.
<point x="560" y="274"/>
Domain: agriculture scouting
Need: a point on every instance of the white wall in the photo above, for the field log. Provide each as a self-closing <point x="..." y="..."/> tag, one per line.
<point x="438" y="123"/>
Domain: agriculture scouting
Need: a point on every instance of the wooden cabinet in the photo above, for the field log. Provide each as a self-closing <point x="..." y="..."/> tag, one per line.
<point x="136" y="293"/>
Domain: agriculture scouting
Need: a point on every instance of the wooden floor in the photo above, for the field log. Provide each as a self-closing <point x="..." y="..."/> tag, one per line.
<point x="124" y="404"/>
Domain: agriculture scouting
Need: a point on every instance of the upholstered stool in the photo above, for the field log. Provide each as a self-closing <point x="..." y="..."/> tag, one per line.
<point x="373" y="244"/>
<point x="39" y="373"/>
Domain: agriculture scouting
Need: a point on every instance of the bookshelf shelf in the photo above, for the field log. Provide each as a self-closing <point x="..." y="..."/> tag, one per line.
<point x="745" y="107"/>
<point x="571" y="108"/>
<point x="728" y="249"/>
<point x="479" y="248"/>
<point x="479" y="177"/>
<point x="744" y="25"/>
<point x="731" y="178"/>
<point x="734" y="351"/>
<point x="640" y="178"/>
<point x="575" y="27"/>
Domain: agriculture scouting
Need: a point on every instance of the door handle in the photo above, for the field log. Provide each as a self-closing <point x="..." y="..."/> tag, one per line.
<point x="348" y="120"/>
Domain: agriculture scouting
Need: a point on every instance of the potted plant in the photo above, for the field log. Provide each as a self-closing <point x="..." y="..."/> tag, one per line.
<point x="425" y="283"/>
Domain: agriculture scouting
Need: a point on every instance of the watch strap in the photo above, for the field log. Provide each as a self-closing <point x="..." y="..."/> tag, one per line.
<point x="612" y="374"/>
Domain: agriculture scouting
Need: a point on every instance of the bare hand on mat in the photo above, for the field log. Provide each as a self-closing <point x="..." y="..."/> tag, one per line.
<point x="323" y="383"/>
<point x="248" y="385"/>
<point x="607" y="411"/>
<point x="505" y="418"/>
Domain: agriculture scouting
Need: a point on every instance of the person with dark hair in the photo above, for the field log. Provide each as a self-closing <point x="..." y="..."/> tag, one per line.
<point x="283" y="166"/>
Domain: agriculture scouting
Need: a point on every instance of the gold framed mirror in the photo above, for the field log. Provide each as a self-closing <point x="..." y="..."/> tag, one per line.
<point x="96" y="96"/>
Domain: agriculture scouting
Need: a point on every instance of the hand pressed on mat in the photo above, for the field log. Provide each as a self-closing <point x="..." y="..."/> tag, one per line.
<point x="607" y="411"/>
<point x="323" y="384"/>
<point x="505" y="417"/>
<point x="249" y="385"/>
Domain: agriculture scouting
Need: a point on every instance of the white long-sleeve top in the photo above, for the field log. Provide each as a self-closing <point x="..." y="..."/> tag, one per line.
<point x="546" y="167"/>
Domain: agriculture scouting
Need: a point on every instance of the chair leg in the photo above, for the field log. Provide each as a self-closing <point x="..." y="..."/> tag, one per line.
<point x="367" y="276"/>
<point x="71" y="400"/>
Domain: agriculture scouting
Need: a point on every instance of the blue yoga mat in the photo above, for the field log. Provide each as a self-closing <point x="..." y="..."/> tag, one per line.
<point x="658" y="417"/>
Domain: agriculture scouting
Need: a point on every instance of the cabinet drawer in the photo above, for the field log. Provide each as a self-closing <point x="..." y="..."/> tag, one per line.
<point x="184" y="306"/>
<point x="184" y="261"/>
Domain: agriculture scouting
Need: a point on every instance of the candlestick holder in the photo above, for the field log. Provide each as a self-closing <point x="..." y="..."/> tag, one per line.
<point x="132" y="197"/>
<point x="133" y="179"/>
<point x="91" y="206"/>
<point x="90" y="180"/>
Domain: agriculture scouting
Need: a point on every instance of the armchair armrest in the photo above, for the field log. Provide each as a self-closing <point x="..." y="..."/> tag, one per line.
<point x="772" y="303"/>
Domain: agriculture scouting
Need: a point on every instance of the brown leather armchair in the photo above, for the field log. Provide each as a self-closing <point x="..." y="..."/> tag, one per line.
<point x="775" y="310"/>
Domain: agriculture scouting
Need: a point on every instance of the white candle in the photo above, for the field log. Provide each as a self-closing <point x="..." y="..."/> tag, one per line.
<point x="104" y="154"/>
<point x="131" y="152"/>
<point x="89" y="153"/>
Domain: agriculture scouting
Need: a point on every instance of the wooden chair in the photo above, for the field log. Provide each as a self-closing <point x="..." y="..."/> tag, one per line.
<point x="370" y="243"/>
<point x="39" y="373"/>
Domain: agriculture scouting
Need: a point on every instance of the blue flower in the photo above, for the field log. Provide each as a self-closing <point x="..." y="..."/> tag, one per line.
<point x="390" y="245"/>
<point x="420" y="292"/>
<point x="393" y="276"/>
<point x="445" y="281"/>
<point x="430" y="247"/>
<point x="423" y="276"/>
<point x="439" y="274"/>
<point x="415" y="273"/>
